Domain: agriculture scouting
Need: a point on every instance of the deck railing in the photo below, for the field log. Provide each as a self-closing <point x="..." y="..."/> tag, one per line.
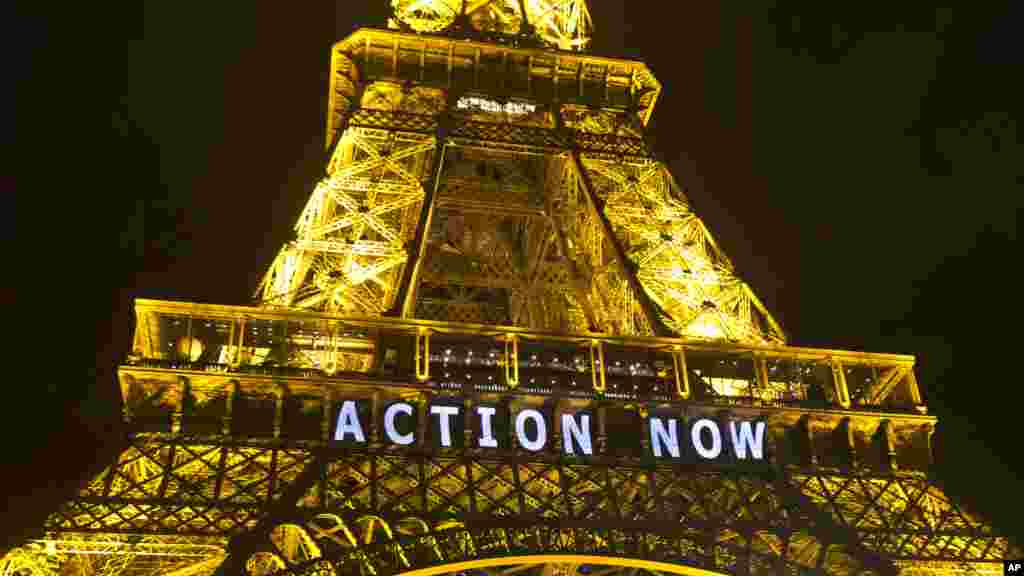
<point x="452" y="356"/>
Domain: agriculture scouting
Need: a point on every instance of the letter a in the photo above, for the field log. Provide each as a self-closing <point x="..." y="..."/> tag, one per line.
<point x="348" y="422"/>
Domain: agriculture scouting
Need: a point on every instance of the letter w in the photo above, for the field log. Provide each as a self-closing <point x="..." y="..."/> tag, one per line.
<point x="747" y="437"/>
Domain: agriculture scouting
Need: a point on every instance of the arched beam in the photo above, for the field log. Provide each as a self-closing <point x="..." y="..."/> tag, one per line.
<point x="593" y="560"/>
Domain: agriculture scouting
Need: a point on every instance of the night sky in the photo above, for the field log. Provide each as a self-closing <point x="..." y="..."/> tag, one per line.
<point x="863" y="167"/>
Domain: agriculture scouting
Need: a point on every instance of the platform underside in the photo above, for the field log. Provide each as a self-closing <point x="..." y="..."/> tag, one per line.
<point x="170" y="505"/>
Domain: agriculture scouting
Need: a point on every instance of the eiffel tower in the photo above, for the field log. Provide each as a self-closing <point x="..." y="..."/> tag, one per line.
<point x="494" y="231"/>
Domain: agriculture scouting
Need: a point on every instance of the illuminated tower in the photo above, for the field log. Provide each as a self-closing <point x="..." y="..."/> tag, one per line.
<point x="495" y="241"/>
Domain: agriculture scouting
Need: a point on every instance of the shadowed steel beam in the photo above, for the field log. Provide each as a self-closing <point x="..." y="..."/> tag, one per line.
<point x="650" y="311"/>
<point x="257" y="539"/>
<point x="402" y="306"/>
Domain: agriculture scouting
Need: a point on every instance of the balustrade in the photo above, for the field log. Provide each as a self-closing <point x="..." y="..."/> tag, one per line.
<point x="508" y="360"/>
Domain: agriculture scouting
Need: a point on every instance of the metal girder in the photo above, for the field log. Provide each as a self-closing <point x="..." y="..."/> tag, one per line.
<point x="648" y="307"/>
<point x="888" y="381"/>
<point x="875" y="518"/>
<point x="407" y="284"/>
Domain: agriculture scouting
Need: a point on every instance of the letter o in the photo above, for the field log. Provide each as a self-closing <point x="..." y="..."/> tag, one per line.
<point x="542" y="432"/>
<point x="716" y="438"/>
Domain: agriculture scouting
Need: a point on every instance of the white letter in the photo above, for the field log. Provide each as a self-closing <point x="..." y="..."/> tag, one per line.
<point x="716" y="438"/>
<point x="446" y="430"/>
<point x="542" y="431"/>
<point x="348" y="422"/>
<point x="745" y="437"/>
<point x="661" y="436"/>
<point x="579" y="432"/>
<point x="389" y="423"/>
<point x="487" y="439"/>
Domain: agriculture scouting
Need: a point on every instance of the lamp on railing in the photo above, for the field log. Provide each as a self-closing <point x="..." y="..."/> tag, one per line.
<point x="189" y="348"/>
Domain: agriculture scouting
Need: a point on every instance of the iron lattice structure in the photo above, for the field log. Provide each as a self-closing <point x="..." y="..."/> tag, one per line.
<point x="493" y="227"/>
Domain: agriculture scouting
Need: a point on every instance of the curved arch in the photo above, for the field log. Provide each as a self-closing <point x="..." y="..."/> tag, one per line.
<point x="294" y="543"/>
<point x="422" y="547"/>
<point x="651" y="565"/>
<point x="264" y="564"/>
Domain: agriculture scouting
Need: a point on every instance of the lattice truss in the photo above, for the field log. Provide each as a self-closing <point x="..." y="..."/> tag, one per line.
<point x="352" y="235"/>
<point x="563" y="24"/>
<point x="524" y="229"/>
<point x="169" y="505"/>
<point x="676" y="259"/>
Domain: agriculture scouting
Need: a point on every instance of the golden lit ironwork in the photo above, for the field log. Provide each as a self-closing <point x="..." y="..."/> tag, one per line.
<point x="493" y="228"/>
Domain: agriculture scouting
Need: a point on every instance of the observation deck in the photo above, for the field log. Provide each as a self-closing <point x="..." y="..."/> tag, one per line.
<point x="193" y="365"/>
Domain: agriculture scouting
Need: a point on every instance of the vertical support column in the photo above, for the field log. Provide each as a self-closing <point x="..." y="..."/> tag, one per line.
<point x="849" y="444"/>
<point x="511" y="361"/>
<point x="241" y="342"/>
<point x="555" y="436"/>
<point x="471" y="428"/>
<point x="421" y="354"/>
<point x="375" y="418"/>
<point x="913" y="388"/>
<point x="278" y="410"/>
<point x="839" y="382"/>
<point x="645" y="436"/>
<point x="320" y="452"/>
<point x="929" y="436"/>
<point x="554" y="80"/>
<point x="889" y="446"/>
<point x="406" y="296"/>
<point x="808" y="425"/>
<point x="626" y="267"/>
<point x="229" y="407"/>
<point x="682" y="376"/>
<point x="602" y="434"/>
<point x="467" y="461"/>
<point x="579" y="78"/>
<point x="231" y="344"/>
<point x="761" y="372"/>
<point x="597" y="367"/>
<point x="188" y="339"/>
<point x="394" y="58"/>
<point x="272" y="475"/>
<point x="421" y="420"/>
<point x="476" y="69"/>
<point x="529" y="75"/>
<point x="177" y="411"/>
<point x="325" y="422"/>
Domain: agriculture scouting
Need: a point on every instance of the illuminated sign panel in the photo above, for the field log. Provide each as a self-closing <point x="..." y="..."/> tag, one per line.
<point x="669" y="437"/>
<point x="487" y="105"/>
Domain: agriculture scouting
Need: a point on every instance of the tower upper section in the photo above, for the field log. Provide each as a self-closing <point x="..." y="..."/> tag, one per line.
<point x="610" y="95"/>
<point x="483" y="173"/>
<point x="561" y="24"/>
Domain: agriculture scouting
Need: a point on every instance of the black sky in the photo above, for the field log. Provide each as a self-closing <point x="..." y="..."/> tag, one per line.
<point x="862" y="166"/>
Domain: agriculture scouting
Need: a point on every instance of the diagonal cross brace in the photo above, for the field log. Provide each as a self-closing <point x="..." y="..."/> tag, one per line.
<point x="827" y="530"/>
<point x="257" y="539"/>
<point x="887" y="382"/>
<point x="628" y="271"/>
